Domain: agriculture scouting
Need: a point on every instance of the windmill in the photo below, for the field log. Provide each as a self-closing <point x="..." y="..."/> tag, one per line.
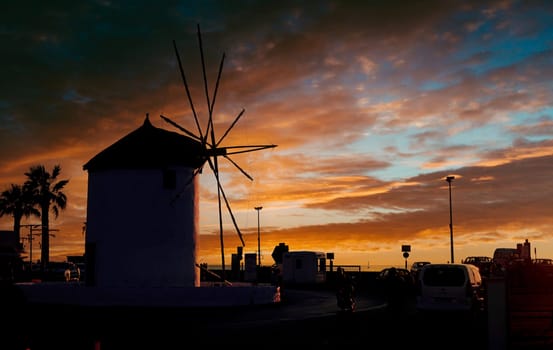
<point x="211" y="145"/>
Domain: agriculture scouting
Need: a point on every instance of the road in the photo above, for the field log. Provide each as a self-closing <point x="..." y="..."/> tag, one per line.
<point x="304" y="317"/>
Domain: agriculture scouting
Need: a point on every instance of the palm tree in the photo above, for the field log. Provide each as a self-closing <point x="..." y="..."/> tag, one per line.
<point x="17" y="201"/>
<point x="47" y="194"/>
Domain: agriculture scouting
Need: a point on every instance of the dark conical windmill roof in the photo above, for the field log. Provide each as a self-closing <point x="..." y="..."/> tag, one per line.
<point x="149" y="147"/>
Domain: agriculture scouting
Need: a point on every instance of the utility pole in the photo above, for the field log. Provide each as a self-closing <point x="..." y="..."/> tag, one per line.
<point x="258" y="238"/>
<point x="30" y="239"/>
<point x="449" y="179"/>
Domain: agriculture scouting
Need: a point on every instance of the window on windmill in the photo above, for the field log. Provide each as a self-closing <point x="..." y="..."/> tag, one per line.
<point x="169" y="179"/>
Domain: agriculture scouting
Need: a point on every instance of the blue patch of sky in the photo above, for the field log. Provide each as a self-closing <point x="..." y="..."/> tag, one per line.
<point x="376" y="145"/>
<point x="522" y="118"/>
<point x="377" y="140"/>
<point x="546" y="113"/>
<point x="433" y="85"/>
<point x="487" y="137"/>
<point x="400" y="170"/>
<point x="528" y="119"/>
<point x="387" y="98"/>
<point x="537" y="138"/>
<point x="505" y="49"/>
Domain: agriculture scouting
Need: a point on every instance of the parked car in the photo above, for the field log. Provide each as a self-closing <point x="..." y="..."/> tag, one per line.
<point x="394" y="281"/>
<point x="416" y="267"/>
<point x="484" y="263"/>
<point x="62" y="271"/>
<point x="543" y="269"/>
<point x="72" y="272"/>
<point x="450" y="287"/>
<point x="543" y="262"/>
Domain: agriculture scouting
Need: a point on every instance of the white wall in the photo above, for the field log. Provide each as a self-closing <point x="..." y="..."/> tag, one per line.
<point x="302" y="267"/>
<point x="143" y="236"/>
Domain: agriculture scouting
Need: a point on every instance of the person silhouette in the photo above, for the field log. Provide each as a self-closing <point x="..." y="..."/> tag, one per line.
<point x="67" y="274"/>
<point x="344" y="290"/>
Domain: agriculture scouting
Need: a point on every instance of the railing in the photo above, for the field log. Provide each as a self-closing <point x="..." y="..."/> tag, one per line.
<point x="347" y="268"/>
<point x="213" y="274"/>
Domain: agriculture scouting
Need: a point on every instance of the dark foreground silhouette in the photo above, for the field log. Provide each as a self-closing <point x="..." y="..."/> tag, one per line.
<point x="303" y="318"/>
<point x="269" y="326"/>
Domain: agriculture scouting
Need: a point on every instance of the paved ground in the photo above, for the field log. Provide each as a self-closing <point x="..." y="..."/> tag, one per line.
<point x="303" y="318"/>
<point x="307" y="318"/>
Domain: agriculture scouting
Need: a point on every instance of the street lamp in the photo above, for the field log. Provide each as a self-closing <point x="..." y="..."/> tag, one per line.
<point x="449" y="179"/>
<point x="258" y="238"/>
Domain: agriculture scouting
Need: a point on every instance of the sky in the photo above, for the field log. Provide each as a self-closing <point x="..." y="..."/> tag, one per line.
<point x="371" y="104"/>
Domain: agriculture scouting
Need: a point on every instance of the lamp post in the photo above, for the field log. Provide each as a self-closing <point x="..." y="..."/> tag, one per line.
<point x="449" y="179"/>
<point x="258" y="238"/>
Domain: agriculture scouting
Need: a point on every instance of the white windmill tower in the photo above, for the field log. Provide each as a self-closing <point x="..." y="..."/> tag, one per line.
<point x="212" y="145"/>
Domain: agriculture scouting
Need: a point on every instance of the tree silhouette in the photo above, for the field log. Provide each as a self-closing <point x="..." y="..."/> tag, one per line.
<point x="47" y="194"/>
<point x="17" y="201"/>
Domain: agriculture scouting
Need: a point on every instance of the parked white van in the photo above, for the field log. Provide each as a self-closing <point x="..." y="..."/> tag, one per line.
<point x="453" y="287"/>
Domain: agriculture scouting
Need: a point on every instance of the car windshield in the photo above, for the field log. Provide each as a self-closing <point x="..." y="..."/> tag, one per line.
<point x="420" y="264"/>
<point x="444" y="276"/>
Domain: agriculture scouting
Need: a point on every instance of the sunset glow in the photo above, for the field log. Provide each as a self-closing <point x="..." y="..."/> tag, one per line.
<point x="371" y="106"/>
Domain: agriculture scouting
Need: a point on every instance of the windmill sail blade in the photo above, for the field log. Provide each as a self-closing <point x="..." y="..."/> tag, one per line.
<point x="215" y="168"/>
<point x="210" y="123"/>
<point x="231" y="215"/>
<point x="205" y="78"/>
<point x="250" y="148"/>
<point x="230" y="127"/>
<point x="189" y="133"/>
<point x="220" y="188"/>
<point x="221" y="238"/>
<point x="187" y="91"/>
<point x="217" y="82"/>
<point x="239" y="168"/>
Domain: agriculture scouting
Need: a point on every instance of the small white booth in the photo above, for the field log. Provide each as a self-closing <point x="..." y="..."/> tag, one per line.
<point x="303" y="267"/>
